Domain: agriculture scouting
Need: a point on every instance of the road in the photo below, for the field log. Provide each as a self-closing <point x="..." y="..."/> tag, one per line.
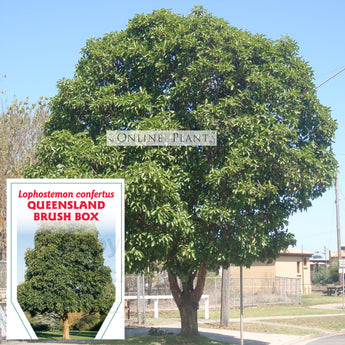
<point x="332" y="340"/>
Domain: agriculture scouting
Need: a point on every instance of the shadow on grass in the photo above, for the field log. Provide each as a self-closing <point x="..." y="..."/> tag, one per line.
<point x="211" y="337"/>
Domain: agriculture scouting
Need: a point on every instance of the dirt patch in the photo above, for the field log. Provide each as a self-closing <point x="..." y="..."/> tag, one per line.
<point x="332" y="306"/>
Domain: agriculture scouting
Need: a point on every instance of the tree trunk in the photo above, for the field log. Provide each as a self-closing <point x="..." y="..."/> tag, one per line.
<point x="65" y="324"/>
<point x="187" y="299"/>
<point x="189" y="315"/>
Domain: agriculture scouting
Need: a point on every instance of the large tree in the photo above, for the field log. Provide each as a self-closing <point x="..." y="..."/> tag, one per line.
<point x="21" y="127"/>
<point x="195" y="208"/>
<point x="65" y="273"/>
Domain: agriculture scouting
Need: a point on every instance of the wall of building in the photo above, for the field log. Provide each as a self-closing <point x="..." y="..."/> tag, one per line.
<point x="288" y="265"/>
<point x="295" y="266"/>
<point x="257" y="270"/>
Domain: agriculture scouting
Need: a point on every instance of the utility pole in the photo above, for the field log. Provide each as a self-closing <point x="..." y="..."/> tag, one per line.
<point x="140" y="320"/>
<point x="341" y="275"/>
<point x="241" y="305"/>
<point x="337" y="199"/>
<point x="225" y="298"/>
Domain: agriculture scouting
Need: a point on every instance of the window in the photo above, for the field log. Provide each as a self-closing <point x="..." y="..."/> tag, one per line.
<point x="298" y="267"/>
<point x="305" y="261"/>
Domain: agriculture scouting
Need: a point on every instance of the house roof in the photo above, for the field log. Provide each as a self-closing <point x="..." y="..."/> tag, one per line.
<point x="295" y="252"/>
<point x="334" y="253"/>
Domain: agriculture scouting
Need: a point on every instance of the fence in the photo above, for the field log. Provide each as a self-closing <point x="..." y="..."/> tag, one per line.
<point x="161" y="298"/>
<point x="256" y="291"/>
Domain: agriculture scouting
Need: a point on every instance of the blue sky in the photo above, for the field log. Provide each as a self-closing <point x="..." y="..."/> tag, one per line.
<point x="40" y="43"/>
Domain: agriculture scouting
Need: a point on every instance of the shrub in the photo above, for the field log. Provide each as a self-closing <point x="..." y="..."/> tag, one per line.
<point x="45" y="322"/>
<point x="325" y="275"/>
<point x="89" y="322"/>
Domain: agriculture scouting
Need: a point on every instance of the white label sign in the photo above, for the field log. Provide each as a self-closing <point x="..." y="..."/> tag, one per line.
<point x="342" y="263"/>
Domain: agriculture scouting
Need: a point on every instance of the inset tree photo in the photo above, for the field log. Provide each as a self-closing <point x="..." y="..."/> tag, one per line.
<point x="66" y="280"/>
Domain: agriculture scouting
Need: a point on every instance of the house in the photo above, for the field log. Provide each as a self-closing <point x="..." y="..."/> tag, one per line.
<point x="292" y="263"/>
<point x="317" y="263"/>
<point x="333" y="254"/>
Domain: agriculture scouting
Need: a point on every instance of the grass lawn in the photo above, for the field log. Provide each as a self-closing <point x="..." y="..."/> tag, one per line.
<point x="264" y="328"/>
<point x="283" y="326"/>
<point x="286" y="326"/>
<point x="278" y="326"/>
<point x="73" y="334"/>
<point x="333" y="323"/>
<point x="269" y="310"/>
<point x="314" y="299"/>
<point x="289" y="309"/>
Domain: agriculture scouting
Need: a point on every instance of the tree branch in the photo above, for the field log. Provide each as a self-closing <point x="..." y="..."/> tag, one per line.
<point x="200" y="282"/>
<point x="175" y="289"/>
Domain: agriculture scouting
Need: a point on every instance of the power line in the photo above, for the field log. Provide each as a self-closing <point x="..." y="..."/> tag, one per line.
<point x="331" y="77"/>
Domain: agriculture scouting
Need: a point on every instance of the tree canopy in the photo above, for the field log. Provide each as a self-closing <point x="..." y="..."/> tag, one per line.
<point x="21" y="127"/>
<point x="195" y="208"/>
<point x="65" y="273"/>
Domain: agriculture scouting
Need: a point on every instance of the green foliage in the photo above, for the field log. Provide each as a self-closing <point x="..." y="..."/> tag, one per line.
<point x="322" y="276"/>
<point x="45" y="322"/>
<point x="191" y="205"/>
<point x="334" y="273"/>
<point x="89" y="322"/>
<point x="21" y="127"/>
<point x="65" y="272"/>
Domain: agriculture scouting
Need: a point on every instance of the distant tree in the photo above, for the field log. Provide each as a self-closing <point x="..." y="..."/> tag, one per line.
<point x="321" y="275"/>
<point x="66" y="274"/>
<point x="21" y="127"/>
<point x="194" y="209"/>
<point x="334" y="272"/>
